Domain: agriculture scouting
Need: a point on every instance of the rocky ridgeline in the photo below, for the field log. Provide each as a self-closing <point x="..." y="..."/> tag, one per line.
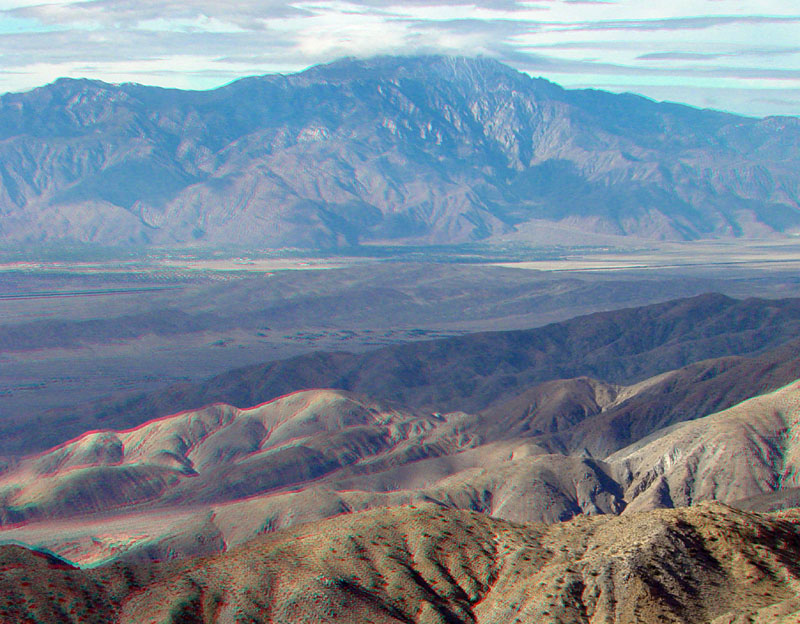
<point x="430" y="149"/>
<point x="709" y="563"/>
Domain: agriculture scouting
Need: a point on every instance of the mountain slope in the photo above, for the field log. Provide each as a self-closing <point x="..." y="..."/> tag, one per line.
<point x="747" y="450"/>
<point x="426" y="149"/>
<point x="423" y="565"/>
<point x="472" y="372"/>
<point x="427" y="566"/>
<point x="203" y="479"/>
<point x="200" y="481"/>
<point x="597" y="419"/>
<point x="216" y="453"/>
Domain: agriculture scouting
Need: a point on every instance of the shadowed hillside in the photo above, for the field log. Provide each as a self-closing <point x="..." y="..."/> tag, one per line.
<point x="202" y="480"/>
<point x="472" y="372"/>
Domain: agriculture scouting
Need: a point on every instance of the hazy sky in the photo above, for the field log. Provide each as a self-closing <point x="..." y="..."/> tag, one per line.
<point x="740" y="55"/>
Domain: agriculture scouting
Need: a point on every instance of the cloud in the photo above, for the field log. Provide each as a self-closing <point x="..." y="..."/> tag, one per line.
<point x="700" y="56"/>
<point x="691" y="45"/>
<point x="495" y="27"/>
<point x="682" y="23"/>
<point x="529" y="61"/>
<point x="677" y="56"/>
<point x="507" y="5"/>
<point x="70" y="47"/>
<point x="126" y="14"/>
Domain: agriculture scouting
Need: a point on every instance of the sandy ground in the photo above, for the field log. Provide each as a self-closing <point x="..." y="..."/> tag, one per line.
<point x="703" y="255"/>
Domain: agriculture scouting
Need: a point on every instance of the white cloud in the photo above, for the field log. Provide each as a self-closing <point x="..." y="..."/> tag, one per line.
<point x="693" y="48"/>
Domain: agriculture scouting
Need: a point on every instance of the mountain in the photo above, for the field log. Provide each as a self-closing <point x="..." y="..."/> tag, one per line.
<point x="740" y="453"/>
<point x="209" y="458"/>
<point x="202" y="481"/>
<point x="423" y="564"/>
<point x="216" y="453"/>
<point x="471" y="372"/>
<point x="525" y="441"/>
<point x="599" y="418"/>
<point x="418" y="149"/>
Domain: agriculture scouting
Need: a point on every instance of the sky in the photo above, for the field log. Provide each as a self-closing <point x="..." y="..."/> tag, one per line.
<point x="736" y="55"/>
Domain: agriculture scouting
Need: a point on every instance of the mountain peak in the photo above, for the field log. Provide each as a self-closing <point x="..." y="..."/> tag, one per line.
<point x="416" y="149"/>
<point x="478" y="71"/>
<point x="453" y="64"/>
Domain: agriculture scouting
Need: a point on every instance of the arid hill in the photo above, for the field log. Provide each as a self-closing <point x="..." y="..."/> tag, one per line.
<point x="743" y="452"/>
<point x="201" y="481"/>
<point x="426" y="565"/>
<point x="216" y="453"/>
<point x="594" y="418"/>
<point x="473" y="372"/>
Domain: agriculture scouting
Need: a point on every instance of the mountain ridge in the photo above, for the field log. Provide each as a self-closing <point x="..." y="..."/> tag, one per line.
<point x="423" y="564"/>
<point x="470" y="372"/>
<point x="200" y="481"/>
<point x="411" y="149"/>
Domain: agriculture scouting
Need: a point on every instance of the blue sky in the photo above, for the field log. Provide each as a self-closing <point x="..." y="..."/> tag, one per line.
<point x="738" y="55"/>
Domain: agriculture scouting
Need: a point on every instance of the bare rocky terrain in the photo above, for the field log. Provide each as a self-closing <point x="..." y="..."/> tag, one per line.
<point x="410" y="428"/>
<point x="543" y="498"/>
<point x="203" y="480"/>
<point x="739" y="453"/>
<point x="704" y="564"/>
<point x="418" y="149"/>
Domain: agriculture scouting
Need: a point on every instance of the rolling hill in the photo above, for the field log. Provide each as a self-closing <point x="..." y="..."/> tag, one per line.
<point x="200" y="481"/>
<point x="544" y="497"/>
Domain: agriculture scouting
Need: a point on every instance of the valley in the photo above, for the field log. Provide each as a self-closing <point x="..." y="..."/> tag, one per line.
<point x="421" y="340"/>
<point x="73" y="332"/>
<point x="614" y="416"/>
